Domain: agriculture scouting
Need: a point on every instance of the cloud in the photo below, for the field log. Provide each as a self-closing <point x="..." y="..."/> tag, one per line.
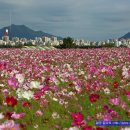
<point x="88" y="19"/>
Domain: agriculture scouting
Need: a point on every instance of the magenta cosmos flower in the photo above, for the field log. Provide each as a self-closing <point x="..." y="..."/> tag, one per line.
<point x="77" y="116"/>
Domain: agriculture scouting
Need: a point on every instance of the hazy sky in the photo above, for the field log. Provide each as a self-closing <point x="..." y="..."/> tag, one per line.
<point x="87" y="19"/>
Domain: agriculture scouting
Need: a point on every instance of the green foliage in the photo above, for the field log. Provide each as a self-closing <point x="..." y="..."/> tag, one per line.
<point x="10" y="46"/>
<point x="123" y="46"/>
<point x="28" y="44"/>
<point x="68" y="43"/>
<point x="17" y="45"/>
<point x="109" y="45"/>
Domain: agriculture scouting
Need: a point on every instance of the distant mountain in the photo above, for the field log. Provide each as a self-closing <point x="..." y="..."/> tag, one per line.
<point x="23" y="31"/>
<point x="126" y="36"/>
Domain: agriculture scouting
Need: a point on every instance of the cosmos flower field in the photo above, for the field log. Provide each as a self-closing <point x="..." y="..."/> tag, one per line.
<point x="67" y="89"/>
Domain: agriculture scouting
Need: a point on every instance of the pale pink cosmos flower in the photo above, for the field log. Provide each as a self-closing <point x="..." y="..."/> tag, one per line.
<point x="71" y="77"/>
<point x="125" y="73"/>
<point x="113" y="113"/>
<point x="12" y="82"/>
<point x="55" y="115"/>
<point x="128" y="94"/>
<point x="9" y="125"/>
<point x="39" y="113"/>
<point x="115" y="101"/>
<point x="89" y="118"/>
<point x="17" y="115"/>
<point x="124" y="105"/>
<point x="6" y="92"/>
<point x="107" y="117"/>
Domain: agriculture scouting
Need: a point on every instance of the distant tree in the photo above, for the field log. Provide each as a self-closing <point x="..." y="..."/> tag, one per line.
<point x="122" y="45"/>
<point x="28" y="44"/>
<point x="109" y="45"/>
<point x="68" y="43"/>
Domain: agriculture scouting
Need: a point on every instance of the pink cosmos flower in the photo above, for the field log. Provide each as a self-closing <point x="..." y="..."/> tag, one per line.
<point x="11" y="101"/>
<point x="12" y="82"/>
<point x="107" y="117"/>
<point x="78" y="119"/>
<point x="125" y="72"/>
<point x="71" y="77"/>
<point x="17" y="115"/>
<point x="89" y="118"/>
<point x="115" y="101"/>
<point x="110" y="71"/>
<point x="92" y="70"/>
<point x="26" y="104"/>
<point x="3" y="65"/>
<point x="124" y="105"/>
<point x="77" y="116"/>
<point x="115" y="84"/>
<point x="9" y="125"/>
<point x="114" y="114"/>
<point x="39" y="113"/>
<point x="41" y="91"/>
<point x="8" y="115"/>
<point x="6" y="92"/>
<point x="88" y="128"/>
<point x="44" y="102"/>
<point x="44" y="88"/>
<point x="78" y="122"/>
<point x="100" y="128"/>
<point x="128" y="93"/>
<point x="37" y="95"/>
<point x="94" y="97"/>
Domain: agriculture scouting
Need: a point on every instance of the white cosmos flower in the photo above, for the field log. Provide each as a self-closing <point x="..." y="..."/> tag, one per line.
<point x="24" y="94"/>
<point x="71" y="93"/>
<point x="74" y="128"/>
<point x="20" y="78"/>
<point x="81" y="72"/>
<point x="78" y="88"/>
<point x="55" y="99"/>
<point x="86" y="77"/>
<point x="55" y="115"/>
<point x="126" y="128"/>
<point x="107" y="90"/>
<point x="34" y="84"/>
<point x="2" y="85"/>
<point x="28" y="94"/>
<point x="1" y="116"/>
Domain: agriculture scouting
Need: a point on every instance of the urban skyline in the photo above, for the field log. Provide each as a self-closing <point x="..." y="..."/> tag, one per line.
<point x="91" y="19"/>
<point x="53" y="41"/>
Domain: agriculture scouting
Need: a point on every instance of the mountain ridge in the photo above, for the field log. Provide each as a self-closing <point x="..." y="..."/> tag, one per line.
<point x="126" y="36"/>
<point x="23" y="31"/>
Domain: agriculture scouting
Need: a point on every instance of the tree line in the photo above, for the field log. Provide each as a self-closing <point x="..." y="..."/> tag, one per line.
<point x="69" y="43"/>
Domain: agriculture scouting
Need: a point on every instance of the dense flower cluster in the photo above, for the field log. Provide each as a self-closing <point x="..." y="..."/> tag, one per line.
<point x="64" y="89"/>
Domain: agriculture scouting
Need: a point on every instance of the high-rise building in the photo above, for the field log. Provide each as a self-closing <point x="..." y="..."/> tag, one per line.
<point x="15" y="39"/>
<point x="46" y="39"/>
<point x="54" y="39"/>
<point x="6" y="37"/>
